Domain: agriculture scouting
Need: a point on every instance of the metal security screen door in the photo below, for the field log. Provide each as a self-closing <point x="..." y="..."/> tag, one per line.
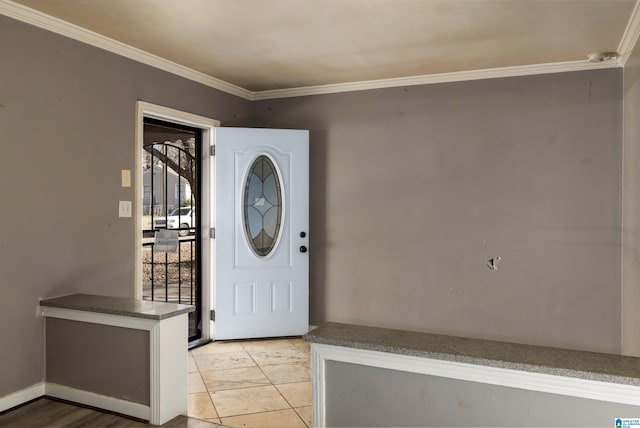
<point x="262" y="226"/>
<point x="171" y="203"/>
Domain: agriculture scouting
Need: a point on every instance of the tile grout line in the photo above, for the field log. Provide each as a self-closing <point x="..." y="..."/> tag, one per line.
<point x="236" y="389"/>
<point x="301" y="418"/>
<point x="274" y="385"/>
<point x="206" y="390"/>
<point x="260" y="367"/>
<point x="280" y="392"/>
<point x="263" y="372"/>
<point x="294" y="409"/>
<point x="211" y="399"/>
<point x="259" y="413"/>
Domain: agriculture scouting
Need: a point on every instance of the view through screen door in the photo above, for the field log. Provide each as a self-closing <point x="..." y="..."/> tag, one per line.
<point x="171" y="262"/>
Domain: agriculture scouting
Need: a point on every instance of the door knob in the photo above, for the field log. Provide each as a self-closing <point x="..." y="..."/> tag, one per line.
<point x="303" y="249"/>
<point x="303" y="234"/>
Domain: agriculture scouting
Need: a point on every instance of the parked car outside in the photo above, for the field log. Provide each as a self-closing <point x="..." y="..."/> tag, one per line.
<point x="182" y="218"/>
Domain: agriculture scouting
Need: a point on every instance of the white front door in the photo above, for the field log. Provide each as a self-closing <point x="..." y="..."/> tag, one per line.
<point x="262" y="233"/>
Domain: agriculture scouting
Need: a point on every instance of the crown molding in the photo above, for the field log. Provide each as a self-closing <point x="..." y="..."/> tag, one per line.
<point x="58" y="26"/>
<point x="630" y="36"/>
<point x="426" y="79"/>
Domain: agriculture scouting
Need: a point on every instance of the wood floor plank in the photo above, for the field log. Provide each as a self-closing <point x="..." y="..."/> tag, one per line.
<point x="37" y="413"/>
<point x="50" y="413"/>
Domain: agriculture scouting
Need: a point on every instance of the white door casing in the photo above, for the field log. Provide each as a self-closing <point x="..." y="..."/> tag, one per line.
<point x="261" y="295"/>
<point x="145" y="109"/>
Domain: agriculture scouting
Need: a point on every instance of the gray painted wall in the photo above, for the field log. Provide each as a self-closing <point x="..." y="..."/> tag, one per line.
<point x="631" y="205"/>
<point x="111" y="361"/>
<point x="414" y="189"/>
<point x="359" y="396"/>
<point x="67" y="113"/>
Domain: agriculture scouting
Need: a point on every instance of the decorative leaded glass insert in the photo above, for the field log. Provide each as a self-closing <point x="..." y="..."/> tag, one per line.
<point x="262" y="206"/>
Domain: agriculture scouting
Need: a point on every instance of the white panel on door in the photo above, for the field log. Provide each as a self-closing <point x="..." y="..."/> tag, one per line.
<point x="282" y="297"/>
<point x="245" y="299"/>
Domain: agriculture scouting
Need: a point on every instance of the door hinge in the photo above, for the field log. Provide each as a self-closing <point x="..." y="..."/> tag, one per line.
<point x="212" y="314"/>
<point x="212" y="150"/>
<point x="212" y="233"/>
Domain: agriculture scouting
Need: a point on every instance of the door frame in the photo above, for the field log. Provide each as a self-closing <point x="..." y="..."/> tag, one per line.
<point x="154" y="111"/>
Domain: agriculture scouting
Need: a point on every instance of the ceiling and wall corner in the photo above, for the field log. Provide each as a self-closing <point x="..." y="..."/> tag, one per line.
<point x="462" y="48"/>
<point x="58" y="26"/>
<point x="630" y="36"/>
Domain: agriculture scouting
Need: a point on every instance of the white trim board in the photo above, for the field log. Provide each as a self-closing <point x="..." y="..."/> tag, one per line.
<point x="99" y="318"/>
<point x="58" y="26"/>
<point x="168" y="368"/>
<point x="428" y="79"/>
<point x="76" y="396"/>
<point x="145" y="109"/>
<point x="553" y="384"/>
<point x="98" y="401"/>
<point x="23" y="396"/>
<point x="630" y="36"/>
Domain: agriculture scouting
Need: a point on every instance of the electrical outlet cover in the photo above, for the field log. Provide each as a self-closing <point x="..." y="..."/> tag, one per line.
<point x="124" y="209"/>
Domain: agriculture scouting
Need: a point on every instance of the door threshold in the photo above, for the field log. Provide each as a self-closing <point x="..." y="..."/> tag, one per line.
<point x="198" y="342"/>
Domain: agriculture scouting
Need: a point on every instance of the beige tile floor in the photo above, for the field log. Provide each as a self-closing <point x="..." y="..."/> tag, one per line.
<point x="257" y="383"/>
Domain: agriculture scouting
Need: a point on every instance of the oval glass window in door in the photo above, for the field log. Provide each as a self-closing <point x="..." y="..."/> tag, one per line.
<point x="262" y="206"/>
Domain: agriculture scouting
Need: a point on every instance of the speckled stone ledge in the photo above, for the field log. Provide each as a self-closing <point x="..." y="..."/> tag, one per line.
<point x="118" y="306"/>
<point x="538" y="359"/>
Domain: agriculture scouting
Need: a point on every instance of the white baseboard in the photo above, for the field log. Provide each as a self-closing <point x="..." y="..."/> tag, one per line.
<point x="20" y="397"/>
<point x="96" y="400"/>
<point x="77" y="396"/>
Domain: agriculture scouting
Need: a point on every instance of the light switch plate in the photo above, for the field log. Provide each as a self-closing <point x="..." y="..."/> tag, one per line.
<point x="124" y="209"/>
<point x="126" y="178"/>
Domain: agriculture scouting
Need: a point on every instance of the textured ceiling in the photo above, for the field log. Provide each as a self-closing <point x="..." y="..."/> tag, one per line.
<point x="275" y="44"/>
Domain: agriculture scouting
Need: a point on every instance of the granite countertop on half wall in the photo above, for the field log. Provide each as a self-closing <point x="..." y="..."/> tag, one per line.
<point x="118" y="306"/>
<point x="595" y="366"/>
